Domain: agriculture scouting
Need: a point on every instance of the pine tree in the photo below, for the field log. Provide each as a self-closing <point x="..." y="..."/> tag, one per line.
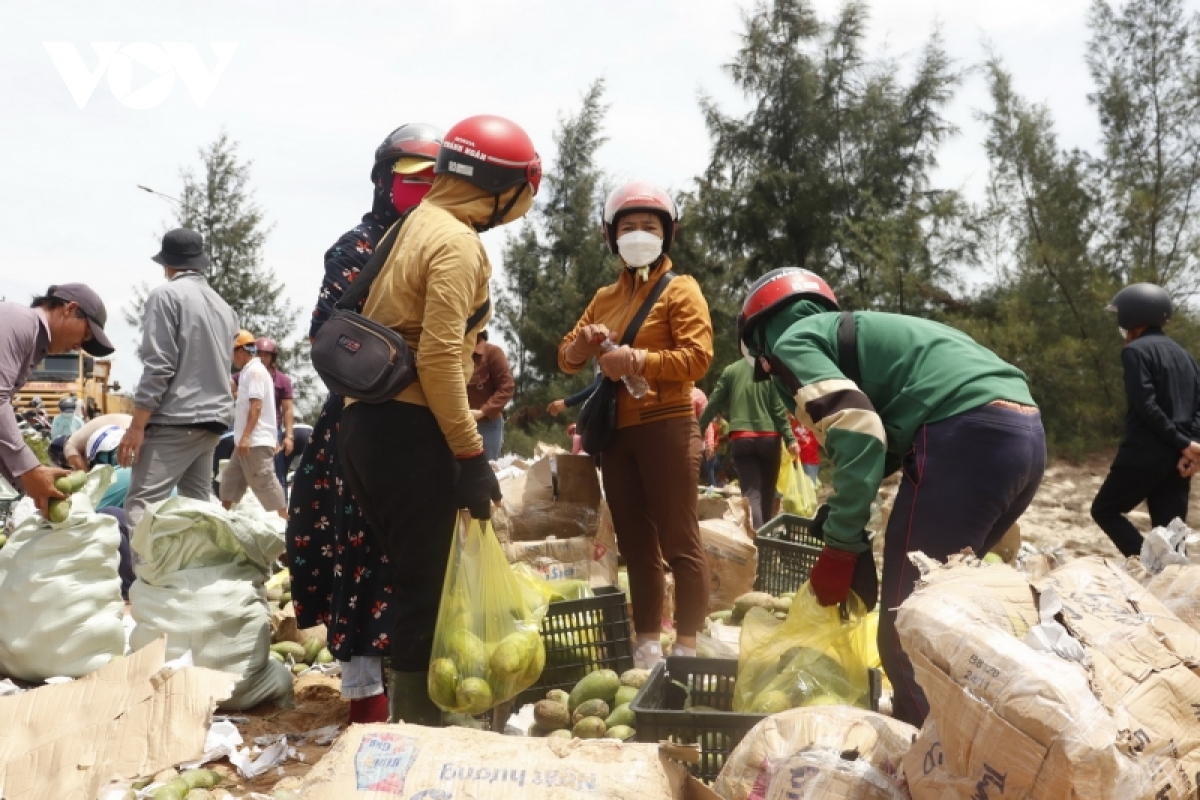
<point x="219" y="204"/>
<point x="1145" y="61"/>
<point x="558" y="259"/>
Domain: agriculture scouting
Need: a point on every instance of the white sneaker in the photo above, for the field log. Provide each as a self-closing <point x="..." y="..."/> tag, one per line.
<point x="649" y="654"/>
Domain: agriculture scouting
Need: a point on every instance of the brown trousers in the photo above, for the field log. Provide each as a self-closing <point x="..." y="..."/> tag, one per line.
<point x="650" y="480"/>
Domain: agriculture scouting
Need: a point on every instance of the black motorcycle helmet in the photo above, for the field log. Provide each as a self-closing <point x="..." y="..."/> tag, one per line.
<point x="1141" y="305"/>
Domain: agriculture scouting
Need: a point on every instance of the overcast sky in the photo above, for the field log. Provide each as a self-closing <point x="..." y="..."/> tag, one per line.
<point x="312" y="88"/>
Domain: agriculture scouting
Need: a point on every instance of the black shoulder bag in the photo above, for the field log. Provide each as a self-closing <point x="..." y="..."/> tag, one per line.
<point x="597" y="422"/>
<point x="357" y="357"/>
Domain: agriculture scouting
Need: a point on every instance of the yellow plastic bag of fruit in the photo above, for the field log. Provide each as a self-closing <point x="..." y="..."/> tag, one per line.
<point x="795" y="487"/>
<point x="487" y="646"/>
<point x="815" y="657"/>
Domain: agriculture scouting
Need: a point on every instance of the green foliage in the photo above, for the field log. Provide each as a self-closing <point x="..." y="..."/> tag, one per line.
<point x="522" y="439"/>
<point x="40" y="447"/>
<point x="1144" y="58"/>
<point x="831" y="168"/>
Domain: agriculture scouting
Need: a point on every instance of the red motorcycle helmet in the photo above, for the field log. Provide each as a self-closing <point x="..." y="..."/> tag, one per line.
<point x="265" y="345"/>
<point x="639" y="196"/>
<point x="774" y="290"/>
<point x="490" y="152"/>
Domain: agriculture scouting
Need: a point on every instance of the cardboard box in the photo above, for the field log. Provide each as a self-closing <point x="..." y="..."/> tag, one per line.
<point x="407" y="762"/>
<point x="129" y="718"/>
<point x="732" y="562"/>
<point x="558" y="523"/>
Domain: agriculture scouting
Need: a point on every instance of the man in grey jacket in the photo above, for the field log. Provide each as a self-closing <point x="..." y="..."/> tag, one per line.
<point x="183" y="402"/>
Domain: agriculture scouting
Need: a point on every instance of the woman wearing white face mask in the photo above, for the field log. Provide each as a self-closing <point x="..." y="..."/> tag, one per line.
<point x="651" y="466"/>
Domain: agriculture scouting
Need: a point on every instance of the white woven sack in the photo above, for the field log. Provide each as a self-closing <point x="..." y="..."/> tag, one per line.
<point x="60" y="595"/>
<point x="201" y="584"/>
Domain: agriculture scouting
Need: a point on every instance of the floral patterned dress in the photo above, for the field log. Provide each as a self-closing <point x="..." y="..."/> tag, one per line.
<point x="340" y="574"/>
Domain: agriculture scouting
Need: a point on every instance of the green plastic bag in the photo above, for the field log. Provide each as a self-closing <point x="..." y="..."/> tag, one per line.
<point x="814" y="657"/>
<point x="487" y="647"/>
<point x="796" y="488"/>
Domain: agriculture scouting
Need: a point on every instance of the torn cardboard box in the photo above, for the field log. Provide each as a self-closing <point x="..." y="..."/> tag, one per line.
<point x="409" y="762"/>
<point x="558" y="522"/>
<point x="129" y="718"/>
<point x="732" y="562"/>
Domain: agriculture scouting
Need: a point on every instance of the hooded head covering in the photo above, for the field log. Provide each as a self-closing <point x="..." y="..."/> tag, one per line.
<point x="477" y="207"/>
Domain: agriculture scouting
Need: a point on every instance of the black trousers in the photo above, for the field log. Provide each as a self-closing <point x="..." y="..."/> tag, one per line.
<point x="757" y="462"/>
<point x="402" y="473"/>
<point x="966" y="481"/>
<point x="1165" y="492"/>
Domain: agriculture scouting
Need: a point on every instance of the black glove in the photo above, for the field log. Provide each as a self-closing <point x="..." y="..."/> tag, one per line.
<point x="865" y="582"/>
<point x="477" y="487"/>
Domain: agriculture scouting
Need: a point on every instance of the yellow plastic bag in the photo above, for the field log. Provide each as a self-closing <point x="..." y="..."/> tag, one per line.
<point x="812" y="658"/>
<point x="799" y="494"/>
<point x="487" y="646"/>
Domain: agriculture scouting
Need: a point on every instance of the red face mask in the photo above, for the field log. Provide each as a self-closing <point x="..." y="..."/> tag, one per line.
<point x="407" y="191"/>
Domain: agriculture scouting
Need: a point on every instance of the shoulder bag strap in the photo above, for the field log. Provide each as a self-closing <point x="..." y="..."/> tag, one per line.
<point x="635" y="324"/>
<point x="370" y="271"/>
<point x="847" y="344"/>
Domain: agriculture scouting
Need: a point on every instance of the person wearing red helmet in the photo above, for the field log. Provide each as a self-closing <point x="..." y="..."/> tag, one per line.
<point x="341" y="577"/>
<point x="652" y="464"/>
<point x="413" y="461"/>
<point x="886" y="392"/>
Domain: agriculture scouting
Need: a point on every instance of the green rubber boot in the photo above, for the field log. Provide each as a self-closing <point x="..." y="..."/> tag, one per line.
<point x="408" y="700"/>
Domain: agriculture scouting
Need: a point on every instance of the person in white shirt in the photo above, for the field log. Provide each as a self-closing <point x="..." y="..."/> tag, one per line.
<point x="252" y="464"/>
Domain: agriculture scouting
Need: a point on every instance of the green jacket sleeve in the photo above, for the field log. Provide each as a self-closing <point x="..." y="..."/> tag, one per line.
<point x="779" y="416"/>
<point x="844" y="422"/>
<point x="718" y="401"/>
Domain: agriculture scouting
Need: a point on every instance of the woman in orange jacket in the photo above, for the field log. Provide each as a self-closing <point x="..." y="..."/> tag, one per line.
<point x="652" y="464"/>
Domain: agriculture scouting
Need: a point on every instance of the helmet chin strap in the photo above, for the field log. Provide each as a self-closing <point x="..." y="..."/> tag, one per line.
<point x="499" y="214"/>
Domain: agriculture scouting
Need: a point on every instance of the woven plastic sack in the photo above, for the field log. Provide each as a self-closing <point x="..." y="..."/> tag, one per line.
<point x="201" y="584"/>
<point x="487" y="647"/>
<point x="60" y="595"/>
<point x="795" y="487"/>
<point x="815" y="657"/>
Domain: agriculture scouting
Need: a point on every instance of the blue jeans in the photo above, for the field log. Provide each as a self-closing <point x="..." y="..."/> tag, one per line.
<point x="492" y="431"/>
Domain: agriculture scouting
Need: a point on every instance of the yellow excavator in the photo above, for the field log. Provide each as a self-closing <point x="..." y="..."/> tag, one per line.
<point x="59" y="376"/>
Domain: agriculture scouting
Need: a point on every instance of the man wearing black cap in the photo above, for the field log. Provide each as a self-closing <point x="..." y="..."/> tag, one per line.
<point x="183" y="402"/>
<point x="67" y="317"/>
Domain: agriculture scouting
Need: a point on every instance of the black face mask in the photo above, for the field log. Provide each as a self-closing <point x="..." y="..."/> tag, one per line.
<point x="382" y="207"/>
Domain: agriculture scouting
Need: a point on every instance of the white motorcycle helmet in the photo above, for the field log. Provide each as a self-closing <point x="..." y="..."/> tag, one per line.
<point x="102" y="445"/>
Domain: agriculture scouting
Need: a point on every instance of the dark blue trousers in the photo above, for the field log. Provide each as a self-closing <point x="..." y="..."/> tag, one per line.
<point x="966" y="480"/>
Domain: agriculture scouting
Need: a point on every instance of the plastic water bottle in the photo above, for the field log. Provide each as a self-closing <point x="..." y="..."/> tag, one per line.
<point x="636" y="384"/>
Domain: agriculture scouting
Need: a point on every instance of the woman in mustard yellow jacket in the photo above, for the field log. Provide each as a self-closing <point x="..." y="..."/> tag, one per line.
<point x="652" y="465"/>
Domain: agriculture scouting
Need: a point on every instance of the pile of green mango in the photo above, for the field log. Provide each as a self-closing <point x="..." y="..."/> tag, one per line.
<point x="597" y="707"/>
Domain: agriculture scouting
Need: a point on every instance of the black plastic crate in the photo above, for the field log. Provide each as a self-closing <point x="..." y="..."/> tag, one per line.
<point x="582" y="636"/>
<point x="659" y="715"/>
<point x="786" y="554"/>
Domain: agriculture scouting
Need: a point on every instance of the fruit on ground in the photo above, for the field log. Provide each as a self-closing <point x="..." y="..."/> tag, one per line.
<point x="599" y="685"/>
<point x="621" y="715"/>
<point x="559" y="696"/>
<point x="625" y="695"/>
<point x="293" y="649"/>
<point x="590" y="708"/>
<point x="551" y="716"/>
<point x="589" y="728"/>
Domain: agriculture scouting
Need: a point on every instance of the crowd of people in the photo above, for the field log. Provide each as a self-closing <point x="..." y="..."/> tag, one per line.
<point x="378" y="487"/>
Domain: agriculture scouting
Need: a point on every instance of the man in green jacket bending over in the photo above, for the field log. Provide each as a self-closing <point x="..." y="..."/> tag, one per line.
<point x="884" y="392"/>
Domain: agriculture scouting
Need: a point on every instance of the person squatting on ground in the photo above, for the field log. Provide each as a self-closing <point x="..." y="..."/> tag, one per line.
<point x="758" y="421"/>
<point x="66" y="318"/>
<point x="488" y="391"/>
<point x="927" y="400"/>
<point x="256" y="433"/>
<point x="651" y="466"/>
<point x="101" y="448"/>
<point x="1159" y="452"/>
<point x="413" y="461"/>
<point x="341" y="576"/>
<point x="183" y="401"/>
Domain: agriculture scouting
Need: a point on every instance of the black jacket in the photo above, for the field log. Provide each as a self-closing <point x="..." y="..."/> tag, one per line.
<point x="1162" y="389"/>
